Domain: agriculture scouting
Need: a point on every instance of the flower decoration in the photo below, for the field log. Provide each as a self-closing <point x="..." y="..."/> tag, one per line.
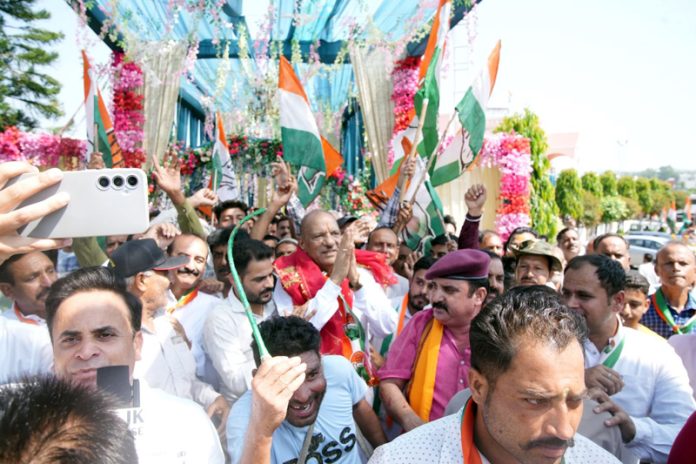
<point x="510" y="153"/>
<point x="41" y="149"/>
<point x="405" y="86"/>
<point x="128" y="110"/>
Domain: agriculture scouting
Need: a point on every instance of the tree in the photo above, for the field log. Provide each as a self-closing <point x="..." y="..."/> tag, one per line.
<point x="608" y="180"/>
<point x="544" y="211"/>
<point x="569" y="194"/>
<point x="680" y="197"/>
<point x="591" y="210"/>
<point x="667" y="172"/>
<point x="626" y="187"/>
<point x="25" y="91"/>
<point x="633" y="209"/>
<point x="613" y="209"/>
<point x="644" y="193"/>
<point x="591" y="183"/>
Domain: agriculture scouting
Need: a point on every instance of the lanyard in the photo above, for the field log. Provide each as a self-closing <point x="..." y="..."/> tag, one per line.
<point x="614" y="355"/>
<point x="658" y="301"/>
<point x="185" y="299"/>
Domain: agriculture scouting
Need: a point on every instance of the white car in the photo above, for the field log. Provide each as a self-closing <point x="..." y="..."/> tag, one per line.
<point x="644" y="244"/>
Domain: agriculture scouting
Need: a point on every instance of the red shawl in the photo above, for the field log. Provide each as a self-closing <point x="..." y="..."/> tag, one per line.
<point x="302" y="278"/>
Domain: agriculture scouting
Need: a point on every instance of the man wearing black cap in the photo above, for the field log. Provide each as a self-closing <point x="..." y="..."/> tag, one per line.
<point x="429" y="361"/>
<point x="166" y="361"/>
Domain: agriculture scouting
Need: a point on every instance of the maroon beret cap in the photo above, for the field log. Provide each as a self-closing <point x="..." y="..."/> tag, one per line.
<point x="466" y="264"/>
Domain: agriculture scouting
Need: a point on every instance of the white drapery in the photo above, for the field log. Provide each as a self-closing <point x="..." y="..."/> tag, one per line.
<point x="374" y="90"/>
<point x="162" y="63"/>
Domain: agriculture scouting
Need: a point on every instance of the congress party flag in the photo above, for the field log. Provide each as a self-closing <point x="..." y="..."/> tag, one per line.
<point x="100" y="131"/>
<point x="223" y="180"/>
<point x="472" y="114"/>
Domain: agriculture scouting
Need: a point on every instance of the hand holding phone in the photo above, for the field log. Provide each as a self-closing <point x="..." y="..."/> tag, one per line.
<point x="102" y="202"/>
<point x="12" y="217"/>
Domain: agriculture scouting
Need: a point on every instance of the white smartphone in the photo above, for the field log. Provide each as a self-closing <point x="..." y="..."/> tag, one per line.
<point x="102" y="202"/>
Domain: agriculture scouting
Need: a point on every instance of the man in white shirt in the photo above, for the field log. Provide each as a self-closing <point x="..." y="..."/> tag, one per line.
<point x="325" y="276"/>
<point x="25" y="350"/>
<point x="638" y="378"/>
<point x="25" y="279"/>
<point x="227" y="334"/>
<point x="527" y="387"/>
<point x="319" y="401"/>
<point x="94" y="322"/>
<point x="186" y="303"/>
<point x="166" y="361"/>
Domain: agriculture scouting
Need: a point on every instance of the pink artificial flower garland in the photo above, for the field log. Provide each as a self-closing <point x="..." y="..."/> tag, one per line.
<point x="510" y="153"/>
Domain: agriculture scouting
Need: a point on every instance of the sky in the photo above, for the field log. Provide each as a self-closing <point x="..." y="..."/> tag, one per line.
<point x="620" y="73"/>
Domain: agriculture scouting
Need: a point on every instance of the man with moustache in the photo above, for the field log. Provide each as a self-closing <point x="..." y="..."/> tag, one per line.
<point x="527" y="390"/>
<point x="227" y="334"/>
<point x="308" y="395"/>
<point x="672" y="307"/>
<point x="537" y="261"/>
<point x="94" y="322"/>
<point x="429" y="361"/>
<point x="186" y="303"/>
<point x="638" y="377"/>
<point x="26" y="279"/>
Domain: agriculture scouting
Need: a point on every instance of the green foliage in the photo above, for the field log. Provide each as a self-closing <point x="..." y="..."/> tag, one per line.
<point x="25" y="91"/>
<point x="626" y="186"/>
<point x="568" y="194"/>
<point x="543" y="198"/>
<point x="613" y="209"/>
<point x="680" y="197"/>
<point x="644" y="193"/>
<point x="609" y="184"/>
<point x="591" y="209"/>
<point x="592" y="184"/>
<point x="633" y="207"/>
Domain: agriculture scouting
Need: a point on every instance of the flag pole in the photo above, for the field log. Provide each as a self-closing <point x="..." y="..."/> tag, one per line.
<point x="263" y="352"/>
<point x="416" y="141"/>
<point x="433" y="157"/>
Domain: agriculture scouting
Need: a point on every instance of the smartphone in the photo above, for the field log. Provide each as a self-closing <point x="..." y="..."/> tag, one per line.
<point x="102" y="202"/>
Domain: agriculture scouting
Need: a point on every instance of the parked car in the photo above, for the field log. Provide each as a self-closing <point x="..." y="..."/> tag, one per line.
<point x="642" y="244"/>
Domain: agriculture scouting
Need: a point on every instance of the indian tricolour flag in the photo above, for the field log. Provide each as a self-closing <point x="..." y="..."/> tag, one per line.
<point x="427" y="210"/>
<point x="300" y="135"/>
<point x="428" y="78"/>
<point x="223" y="180"/>
<point x="97" y="118"/>
<point x="472" y="114"/>
<point x="302" y="144"/>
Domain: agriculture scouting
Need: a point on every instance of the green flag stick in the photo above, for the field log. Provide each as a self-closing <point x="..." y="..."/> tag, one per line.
<point x="263" y="352"/>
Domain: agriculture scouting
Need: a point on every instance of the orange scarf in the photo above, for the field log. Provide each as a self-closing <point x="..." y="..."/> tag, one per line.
<point x="402" y="315"/>
<point x="469" y="451"/>
<point x="422" y="386"/>
<point x="302" y="278"/>
<point x="185" y="299"/>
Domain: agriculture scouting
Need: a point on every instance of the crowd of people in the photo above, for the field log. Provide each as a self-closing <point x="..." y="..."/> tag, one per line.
<point x="471" y="348"/>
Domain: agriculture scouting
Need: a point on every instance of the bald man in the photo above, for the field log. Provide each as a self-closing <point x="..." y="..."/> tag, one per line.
<point x="672" y="308"/>
<point x="323" y="282"/>
<point x="615" y="247"/>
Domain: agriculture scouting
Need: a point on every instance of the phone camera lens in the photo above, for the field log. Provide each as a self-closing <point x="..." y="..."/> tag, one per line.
<point x="103" y="182"/>
<point x="118" y="181"/>
<point x="132" y="181"/>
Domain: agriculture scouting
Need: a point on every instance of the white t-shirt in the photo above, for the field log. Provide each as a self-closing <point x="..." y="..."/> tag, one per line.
<point x="172" y="430"/>
<point x="334" y="437"/>
<point x="24" y="350"/>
